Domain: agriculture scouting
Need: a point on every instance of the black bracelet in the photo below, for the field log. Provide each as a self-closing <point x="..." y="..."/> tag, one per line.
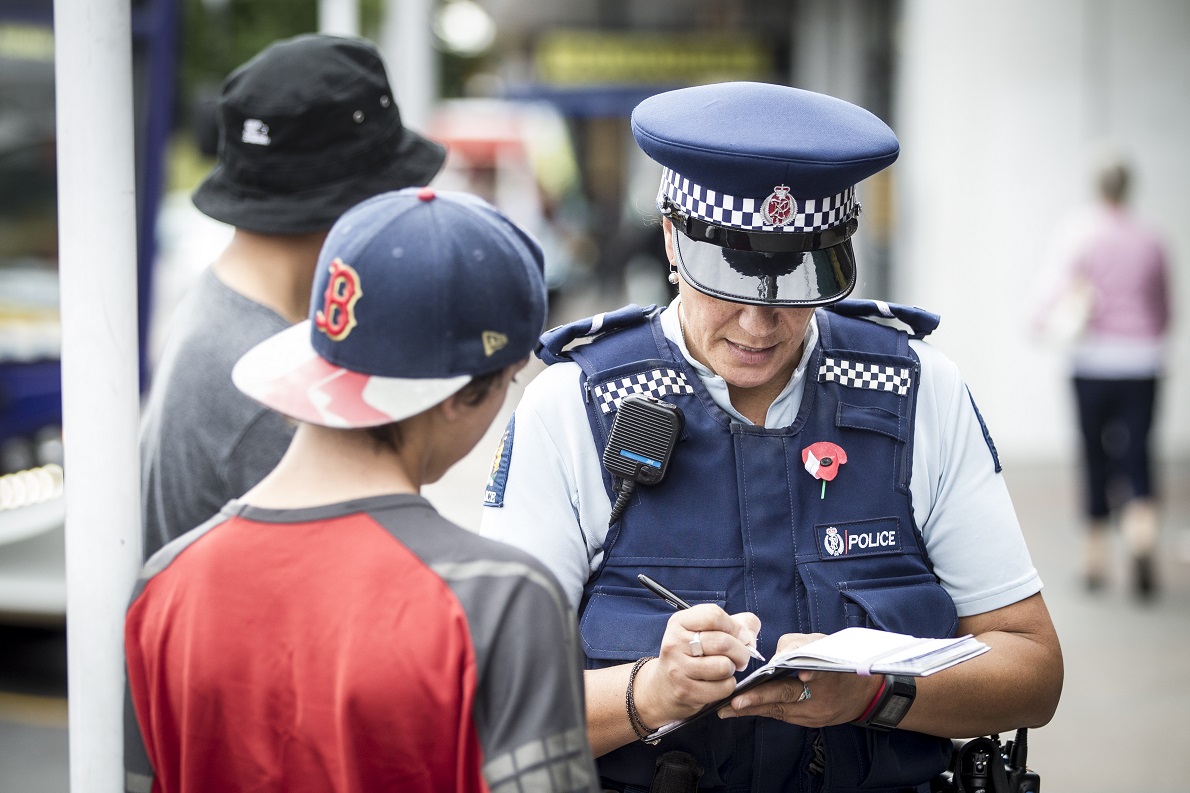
<point x="638" y="726"/>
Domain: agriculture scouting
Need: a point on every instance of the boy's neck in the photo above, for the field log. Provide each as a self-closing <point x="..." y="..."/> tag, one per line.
<point x="329" y="466"/>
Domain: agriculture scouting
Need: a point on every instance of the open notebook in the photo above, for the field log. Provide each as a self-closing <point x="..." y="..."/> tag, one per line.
<point x="862" y="651"/>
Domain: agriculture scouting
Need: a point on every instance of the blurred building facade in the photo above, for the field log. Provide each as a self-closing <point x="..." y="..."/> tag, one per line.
<point x="998" y="108"/>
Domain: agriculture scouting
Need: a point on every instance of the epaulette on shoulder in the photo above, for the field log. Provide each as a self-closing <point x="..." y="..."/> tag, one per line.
<point x="553" y="343"/>
<point x="921" y="323"/>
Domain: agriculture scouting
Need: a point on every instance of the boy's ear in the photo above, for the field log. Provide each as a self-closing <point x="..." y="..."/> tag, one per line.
<point x="451" y="408"/>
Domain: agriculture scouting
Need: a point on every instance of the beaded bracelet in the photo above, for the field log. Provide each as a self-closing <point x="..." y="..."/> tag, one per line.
<point x="638" y="726"/>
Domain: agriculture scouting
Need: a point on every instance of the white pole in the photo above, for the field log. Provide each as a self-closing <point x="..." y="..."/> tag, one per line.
<point x="406" y="42"/>
<point x="338" y="17"/>
<point x="100" y="402"/>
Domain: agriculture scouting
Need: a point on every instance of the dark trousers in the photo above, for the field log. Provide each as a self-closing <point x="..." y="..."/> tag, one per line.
<point x="1115" y="417"/>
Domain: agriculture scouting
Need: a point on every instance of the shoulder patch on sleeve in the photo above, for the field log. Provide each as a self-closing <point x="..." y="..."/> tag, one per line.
<point x="493" y="494"/>
<point x="987" y="436"/>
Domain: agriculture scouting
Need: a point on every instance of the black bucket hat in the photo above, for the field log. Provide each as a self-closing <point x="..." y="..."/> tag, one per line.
<point x="308" y="129"/>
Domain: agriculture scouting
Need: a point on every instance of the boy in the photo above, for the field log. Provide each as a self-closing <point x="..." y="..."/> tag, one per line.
<point x="329" y="631"/>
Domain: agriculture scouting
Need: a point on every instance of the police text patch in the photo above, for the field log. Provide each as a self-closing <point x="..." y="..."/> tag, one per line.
<point x="861" y="538"/>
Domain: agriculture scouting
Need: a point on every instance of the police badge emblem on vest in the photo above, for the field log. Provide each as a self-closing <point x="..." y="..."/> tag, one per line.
<point x="833" y="542"/>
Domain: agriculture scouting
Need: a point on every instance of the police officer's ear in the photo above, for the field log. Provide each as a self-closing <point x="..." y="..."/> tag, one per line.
<point x="667" y="227"/>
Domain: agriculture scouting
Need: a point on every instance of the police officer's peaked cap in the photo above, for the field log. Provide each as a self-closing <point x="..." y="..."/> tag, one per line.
<point x="760" y="179"/>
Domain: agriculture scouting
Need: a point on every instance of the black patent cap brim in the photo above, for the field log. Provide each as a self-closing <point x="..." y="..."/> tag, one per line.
<point x="812" y="278"/>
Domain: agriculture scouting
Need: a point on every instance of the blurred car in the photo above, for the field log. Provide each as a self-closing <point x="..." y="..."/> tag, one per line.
<point x="32" y="510"/>
<point x="32" y="536"/>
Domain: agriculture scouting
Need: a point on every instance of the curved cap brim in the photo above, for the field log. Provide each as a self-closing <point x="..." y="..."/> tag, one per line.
<point x="813" y="278"/>
<point x="414" y="162"/>
<point x="284" y="373"/>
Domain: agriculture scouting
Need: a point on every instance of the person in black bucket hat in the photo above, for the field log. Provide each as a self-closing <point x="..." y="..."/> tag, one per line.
<point x="308" y="128"/>
<point x="787" y="461"/>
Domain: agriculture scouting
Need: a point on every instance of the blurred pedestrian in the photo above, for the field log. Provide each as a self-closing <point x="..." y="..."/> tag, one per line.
<point x="1114" y="290"/>
<point x="308" y="128"/>
<point x="330" y="631"/>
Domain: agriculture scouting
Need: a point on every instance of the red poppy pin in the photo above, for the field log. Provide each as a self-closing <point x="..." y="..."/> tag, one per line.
<point x="822" y="460"/>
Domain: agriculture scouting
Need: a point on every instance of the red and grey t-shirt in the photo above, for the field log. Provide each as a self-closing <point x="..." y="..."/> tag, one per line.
<point x="364" y="646"/>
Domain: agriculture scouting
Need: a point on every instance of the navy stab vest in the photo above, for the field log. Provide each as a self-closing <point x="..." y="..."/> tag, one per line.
<point x="740" y="521"/>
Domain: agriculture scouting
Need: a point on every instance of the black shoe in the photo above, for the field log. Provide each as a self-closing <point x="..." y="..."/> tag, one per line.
<point x="1145" y="583"/>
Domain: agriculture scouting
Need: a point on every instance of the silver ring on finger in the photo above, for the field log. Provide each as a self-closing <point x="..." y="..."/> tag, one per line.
<point x="802" y="697"/>
<point x="696" y="645"/>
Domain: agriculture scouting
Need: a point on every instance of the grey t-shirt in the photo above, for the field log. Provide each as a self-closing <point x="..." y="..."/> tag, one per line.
<point x="202" y="442"/>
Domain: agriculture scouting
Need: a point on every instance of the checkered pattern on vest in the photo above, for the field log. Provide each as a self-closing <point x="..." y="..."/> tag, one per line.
<point x="813" y="214"/>
<point x="857" y="374"/>
<point x="656" y="383"/>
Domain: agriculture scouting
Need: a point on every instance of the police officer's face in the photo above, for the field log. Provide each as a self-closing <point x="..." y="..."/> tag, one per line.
<point x="751" y="347"/>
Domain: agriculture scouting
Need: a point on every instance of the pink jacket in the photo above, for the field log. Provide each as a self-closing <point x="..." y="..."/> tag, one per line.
<point x="1125" y="263"/>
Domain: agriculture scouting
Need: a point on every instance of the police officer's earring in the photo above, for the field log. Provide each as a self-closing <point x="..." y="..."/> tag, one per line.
<point x="673" y="275"/>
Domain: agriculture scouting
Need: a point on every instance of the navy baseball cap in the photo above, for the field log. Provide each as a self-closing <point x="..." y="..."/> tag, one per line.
<point x="417" y="292"/>
<point x="759" y="180"/>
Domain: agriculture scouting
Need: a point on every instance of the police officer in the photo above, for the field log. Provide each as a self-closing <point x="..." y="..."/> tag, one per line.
<point x="831" y="471"/>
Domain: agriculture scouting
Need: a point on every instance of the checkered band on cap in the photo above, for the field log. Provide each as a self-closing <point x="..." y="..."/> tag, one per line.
<point x="656" y="383"/>
<point x="812" y="214"/>
<point x="857" y="374"/>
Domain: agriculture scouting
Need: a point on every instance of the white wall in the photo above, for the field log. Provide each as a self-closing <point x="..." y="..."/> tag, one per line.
<point x="998" y="107"/>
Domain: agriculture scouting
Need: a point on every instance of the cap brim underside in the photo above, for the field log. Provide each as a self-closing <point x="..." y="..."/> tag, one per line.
<point x="792" y="279"/>
<point x="285" y="373"/>
<point x="415" y="163"/>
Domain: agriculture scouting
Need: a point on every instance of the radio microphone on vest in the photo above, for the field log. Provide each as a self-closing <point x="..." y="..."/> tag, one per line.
<point x="642" y="439"/>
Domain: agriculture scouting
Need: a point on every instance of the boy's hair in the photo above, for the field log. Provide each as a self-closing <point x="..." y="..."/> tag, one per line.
<point x="476" y="391"/>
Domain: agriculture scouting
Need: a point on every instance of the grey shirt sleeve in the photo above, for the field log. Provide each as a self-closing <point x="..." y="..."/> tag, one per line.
<point x="203" y="442"/>
<point x="529" y="708"/>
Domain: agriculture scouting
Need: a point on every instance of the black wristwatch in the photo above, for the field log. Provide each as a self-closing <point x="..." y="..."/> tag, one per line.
<point x="891" y="704"/>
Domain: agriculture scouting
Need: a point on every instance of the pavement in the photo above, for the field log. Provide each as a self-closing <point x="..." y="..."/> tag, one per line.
<point x="1119" y="724"/>
<point x="1118" y="727"/>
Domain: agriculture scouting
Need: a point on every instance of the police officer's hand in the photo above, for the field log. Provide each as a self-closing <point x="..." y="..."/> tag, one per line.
<point x="702" y="649"/>
<point x="812" y="699"/>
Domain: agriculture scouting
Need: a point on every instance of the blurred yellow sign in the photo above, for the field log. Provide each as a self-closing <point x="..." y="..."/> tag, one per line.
<point x="26" y="42"/>
<point x="596" y="58"/>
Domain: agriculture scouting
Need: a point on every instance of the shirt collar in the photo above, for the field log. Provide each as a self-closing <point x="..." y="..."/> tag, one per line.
<point x="784" y="409"/>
